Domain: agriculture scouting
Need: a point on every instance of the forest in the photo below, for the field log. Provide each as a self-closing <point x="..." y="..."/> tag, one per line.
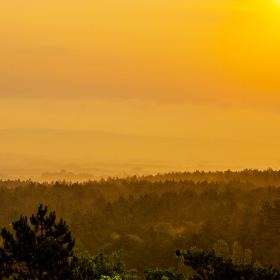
<point x="166" y="222"/>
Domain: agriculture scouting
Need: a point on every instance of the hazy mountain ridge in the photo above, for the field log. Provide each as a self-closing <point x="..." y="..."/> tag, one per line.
<point x="31" y="152"/>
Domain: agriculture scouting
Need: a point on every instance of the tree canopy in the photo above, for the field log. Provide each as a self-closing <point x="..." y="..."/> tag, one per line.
<point x="41" y="249"/>
<point x="209" y="266"/>
<point x="148" y="217"/>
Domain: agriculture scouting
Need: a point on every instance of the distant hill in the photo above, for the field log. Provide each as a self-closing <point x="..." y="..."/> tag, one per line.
<point x="27" y="152"/>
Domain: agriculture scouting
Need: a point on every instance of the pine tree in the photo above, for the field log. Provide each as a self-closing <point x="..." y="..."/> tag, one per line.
<point x="209" y="266"/>
<point x="41" y="249"/>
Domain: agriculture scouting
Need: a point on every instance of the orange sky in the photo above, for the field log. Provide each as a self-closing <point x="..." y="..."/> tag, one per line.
<point x="174" y="68"/>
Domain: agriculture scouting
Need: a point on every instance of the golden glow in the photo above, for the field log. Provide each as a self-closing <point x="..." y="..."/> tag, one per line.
<point x="176" y="68"/>
<point x="160" y="51"/>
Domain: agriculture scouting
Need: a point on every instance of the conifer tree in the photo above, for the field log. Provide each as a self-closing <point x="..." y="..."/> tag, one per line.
<point x="209" y="266"/>
<point x="41" y="249"/>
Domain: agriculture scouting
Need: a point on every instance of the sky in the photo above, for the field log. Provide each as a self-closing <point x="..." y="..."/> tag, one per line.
<point x="184" y="69"/>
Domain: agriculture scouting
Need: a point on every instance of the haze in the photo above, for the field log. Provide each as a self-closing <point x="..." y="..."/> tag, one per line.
<point x="154" y="85"/>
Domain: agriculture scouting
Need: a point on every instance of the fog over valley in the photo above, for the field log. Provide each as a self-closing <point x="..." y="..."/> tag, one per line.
<point x="28" y="153"/>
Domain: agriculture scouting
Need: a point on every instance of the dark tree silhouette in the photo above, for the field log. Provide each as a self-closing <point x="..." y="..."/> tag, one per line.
<point x="160" y="274"/>
<point x="209" y="266"/>
<point x="41" y="249"/>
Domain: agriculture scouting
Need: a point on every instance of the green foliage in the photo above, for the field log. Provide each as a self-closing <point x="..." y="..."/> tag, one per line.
<point x="101" y="266"/>
<point x="247" y="256"/>
<point x="117" y="277"/>
<point x="212" y="267"/>
<point x="146" y="222"/>
<point x="221" y="249"/>
<point x="39" y="250"/>
<point x="148" y="217"/>
<point x="159" y="274"/>
<point x="237" y="253"/>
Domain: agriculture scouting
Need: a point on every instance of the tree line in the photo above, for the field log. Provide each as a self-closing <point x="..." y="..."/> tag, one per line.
<point x="43" y="249"/>
<point x="148" y="218"/>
